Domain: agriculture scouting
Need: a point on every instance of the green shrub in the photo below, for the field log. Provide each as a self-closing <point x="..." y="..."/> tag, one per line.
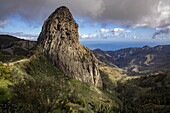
<point x="4" y="90"/>
<point x="5" y="95"/>
<point x="4" y="72"/>
<point x="41" y="95"/>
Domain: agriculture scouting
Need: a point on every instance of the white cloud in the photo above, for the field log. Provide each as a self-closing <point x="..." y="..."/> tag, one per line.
<point x="121" y="30"/>
<point x="103" y="30"/>
<point x="111" y="33"/>
<point x="135" y="37"/>
<point x="140" y="25"/>
<point x="81" y="20"/>
<point x="160" y="31"/>
<point x="85" y="36"/>
<point x="115" y="30"/>
<point x="3" y="23"/>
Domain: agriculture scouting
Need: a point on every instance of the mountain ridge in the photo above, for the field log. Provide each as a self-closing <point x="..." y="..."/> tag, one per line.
<point x="139" y="60"/>
<point x="13" y="48"/>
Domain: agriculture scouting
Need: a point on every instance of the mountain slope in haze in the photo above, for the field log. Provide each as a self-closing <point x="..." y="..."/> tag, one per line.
<point x="104" y="58"/>
<point x="13" y="48"/>
<point x="7" y="39"/>
<point x="139" y="60"/>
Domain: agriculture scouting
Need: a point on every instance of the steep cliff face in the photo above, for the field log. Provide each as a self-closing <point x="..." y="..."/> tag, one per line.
<point x="59" y="40"/>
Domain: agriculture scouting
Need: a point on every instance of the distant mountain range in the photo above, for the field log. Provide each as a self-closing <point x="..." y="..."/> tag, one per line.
<point x="137" y="60"/>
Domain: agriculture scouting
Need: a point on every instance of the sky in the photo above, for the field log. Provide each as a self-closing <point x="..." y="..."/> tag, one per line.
<point x="105" y="20"/>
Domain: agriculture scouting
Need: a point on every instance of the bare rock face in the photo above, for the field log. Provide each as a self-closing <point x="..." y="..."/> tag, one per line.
<point x="59" y="40"/>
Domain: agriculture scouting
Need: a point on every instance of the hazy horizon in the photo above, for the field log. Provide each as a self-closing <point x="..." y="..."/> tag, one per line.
<point x="116" y="45"/>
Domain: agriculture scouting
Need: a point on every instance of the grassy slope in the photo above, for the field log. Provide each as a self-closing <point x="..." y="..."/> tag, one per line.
<point x="38" y="79"/>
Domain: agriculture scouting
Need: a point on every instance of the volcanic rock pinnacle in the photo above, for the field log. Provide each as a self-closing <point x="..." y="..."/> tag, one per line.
<point x="59" y="40"/>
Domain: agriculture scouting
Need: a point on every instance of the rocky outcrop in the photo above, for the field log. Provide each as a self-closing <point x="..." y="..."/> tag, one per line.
<point x="59" y="40"/>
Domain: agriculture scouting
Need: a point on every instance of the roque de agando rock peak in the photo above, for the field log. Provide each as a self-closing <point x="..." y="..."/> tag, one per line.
<point x="59" y="40"/>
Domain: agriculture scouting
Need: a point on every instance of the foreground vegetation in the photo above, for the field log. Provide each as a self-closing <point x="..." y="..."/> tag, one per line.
<point x="147" y="94"/>
<point x="35" y="85"/>
<point x="38" y="86"/>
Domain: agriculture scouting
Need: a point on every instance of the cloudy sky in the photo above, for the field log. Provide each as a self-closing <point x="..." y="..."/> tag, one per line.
<point x="147" y="20"/>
